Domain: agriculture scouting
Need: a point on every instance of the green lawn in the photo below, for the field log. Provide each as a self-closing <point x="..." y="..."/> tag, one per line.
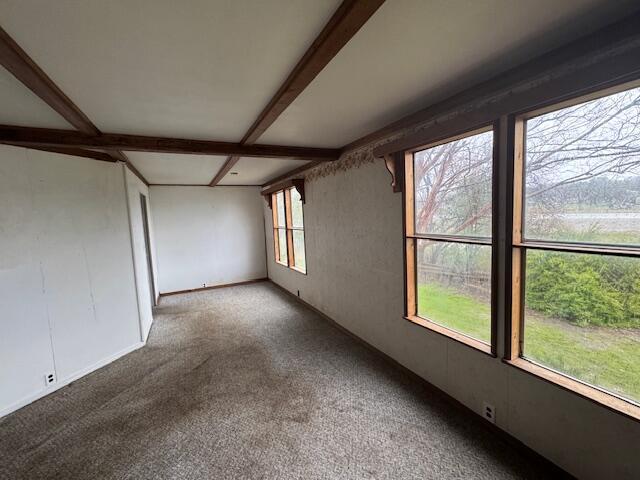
<point x="605" y="357"/>
<point x="453" y="310"/>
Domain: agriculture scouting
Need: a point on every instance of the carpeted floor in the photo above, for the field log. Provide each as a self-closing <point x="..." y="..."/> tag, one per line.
<point x="245" y="383"/>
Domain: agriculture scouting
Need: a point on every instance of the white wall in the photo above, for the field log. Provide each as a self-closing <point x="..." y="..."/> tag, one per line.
<point x="67" y="291"/>
<point x="354" y="238"/>
<point x="135" y="187"/>
<point x="208" y="236"/>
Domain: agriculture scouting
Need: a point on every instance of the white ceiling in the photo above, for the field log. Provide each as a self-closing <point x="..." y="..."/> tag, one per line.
<point x="19" y="106"/>
<point x="199" y="69"/>
<point x="204" y="69"/>
<point x="257" y="171"/>
<point x="179" y="169"/>
<point x="412" y="53"/>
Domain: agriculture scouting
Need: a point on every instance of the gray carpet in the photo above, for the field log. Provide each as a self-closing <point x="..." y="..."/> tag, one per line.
<point x="245" y="383"/>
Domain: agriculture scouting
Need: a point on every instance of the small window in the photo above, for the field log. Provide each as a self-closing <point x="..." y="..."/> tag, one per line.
<point x="288" y="229"/>
<point x="448" y="232"/>
<point x="576" y="308"/>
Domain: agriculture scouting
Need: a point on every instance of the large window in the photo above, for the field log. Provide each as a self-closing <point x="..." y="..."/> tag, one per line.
<point x="288" y="229"/>
<point x="564" y="183"/>
<point x="449" y="238"/>
<point x="576" y="259"/>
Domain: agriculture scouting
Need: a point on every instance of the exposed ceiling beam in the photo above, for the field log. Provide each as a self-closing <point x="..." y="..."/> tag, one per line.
<point x="291" y="173"/>
<point x="82" y="152"/>
<point x="350" y="16"/>
<point x="21" y="66"/>
<point x="228" y="165"/>
<point x="141" y="143"/>
<point x="136" y="172"/>
<point x="76" y="152"/>
<point x="118" y="156"/>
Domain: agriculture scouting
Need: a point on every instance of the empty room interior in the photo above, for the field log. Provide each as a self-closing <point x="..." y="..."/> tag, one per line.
<point x="319" y="239"/>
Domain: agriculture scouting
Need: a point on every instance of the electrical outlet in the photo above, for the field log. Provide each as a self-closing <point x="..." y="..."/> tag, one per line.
<point x="49" y="378"/>
<point x="489" y="412"/>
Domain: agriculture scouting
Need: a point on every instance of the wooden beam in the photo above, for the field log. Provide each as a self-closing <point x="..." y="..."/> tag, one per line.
<point x="81" y="152"/>
<point x="625" y="31"/>
<point x="117" y="155"/>
<point x="291" y="173"/>
<point x="136" y="172"/>
<point x="76" y="152"/>
<point x="609" y="71"/>
<point x="298" y="183"/>
<point x="140" y="143"/>
<point x="350" y="16"/>
<point x="228" y="165"/>
<point x="21" y="66"/>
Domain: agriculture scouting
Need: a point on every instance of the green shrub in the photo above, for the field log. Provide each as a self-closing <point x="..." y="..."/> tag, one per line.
<point x="584" y="289"/>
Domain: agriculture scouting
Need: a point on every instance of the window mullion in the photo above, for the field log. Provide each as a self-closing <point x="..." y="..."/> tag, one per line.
<point x="289" y="224"/>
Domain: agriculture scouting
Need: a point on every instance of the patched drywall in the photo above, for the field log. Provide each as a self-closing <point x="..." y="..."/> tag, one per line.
<point x="353" y="224"/>
<point x="208" y="236"/>
<point x="66" y="276"/>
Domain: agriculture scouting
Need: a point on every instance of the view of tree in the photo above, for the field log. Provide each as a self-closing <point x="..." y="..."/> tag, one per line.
<point x="453" y="187"/>
<point x="582" y="184"/>
<point x="583" y="172"/>
<point x="582" y="178"/>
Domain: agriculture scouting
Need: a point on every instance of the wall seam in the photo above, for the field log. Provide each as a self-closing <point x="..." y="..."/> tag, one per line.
<point x="133" y="255"/>
<point x="44" y="292"/>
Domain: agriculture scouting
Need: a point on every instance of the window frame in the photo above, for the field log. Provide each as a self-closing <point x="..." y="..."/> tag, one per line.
<point x="514" y="332"/>
<point x="289" y="228"/>
<point x="507" y="297"/>
<point x="411" y="240"/>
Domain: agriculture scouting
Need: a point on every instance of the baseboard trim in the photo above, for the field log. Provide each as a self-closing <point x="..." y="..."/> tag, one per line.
<point x="558" y="472"/>
<point x="23" y="402"/>
<point x="212" y="287"/>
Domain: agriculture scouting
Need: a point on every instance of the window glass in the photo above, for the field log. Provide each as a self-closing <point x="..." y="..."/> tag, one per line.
<point x="280" y="212"/>
<point x="454" y="286"/>
<point x="582" y="172"/>
<point x="296" y="209"/>
<point x="453" y="187"/>
<point x="582" y="317"/>
<point x="298" y="248"/>
<point x="282" y="244"/>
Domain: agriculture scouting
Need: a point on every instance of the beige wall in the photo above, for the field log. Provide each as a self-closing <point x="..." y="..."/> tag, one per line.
<point x="354" y="254"/>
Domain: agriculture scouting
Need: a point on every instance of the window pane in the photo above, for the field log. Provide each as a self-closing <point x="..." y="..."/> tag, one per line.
<point x="582" y="318"/>
<point x="453" y="187"/>
<point x="280" y="209"/>
<point x="298" y="248"/>
<point x="282" y="243"/>
<point x="454" y="286"/>
<point x="583" y="172"/>
<point x="296" y="209"/>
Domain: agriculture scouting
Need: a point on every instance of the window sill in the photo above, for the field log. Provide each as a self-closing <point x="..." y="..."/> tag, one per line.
<point x="596" y="395"/>
<point x="303" y="272"/>
<point x="447" y="332"/>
